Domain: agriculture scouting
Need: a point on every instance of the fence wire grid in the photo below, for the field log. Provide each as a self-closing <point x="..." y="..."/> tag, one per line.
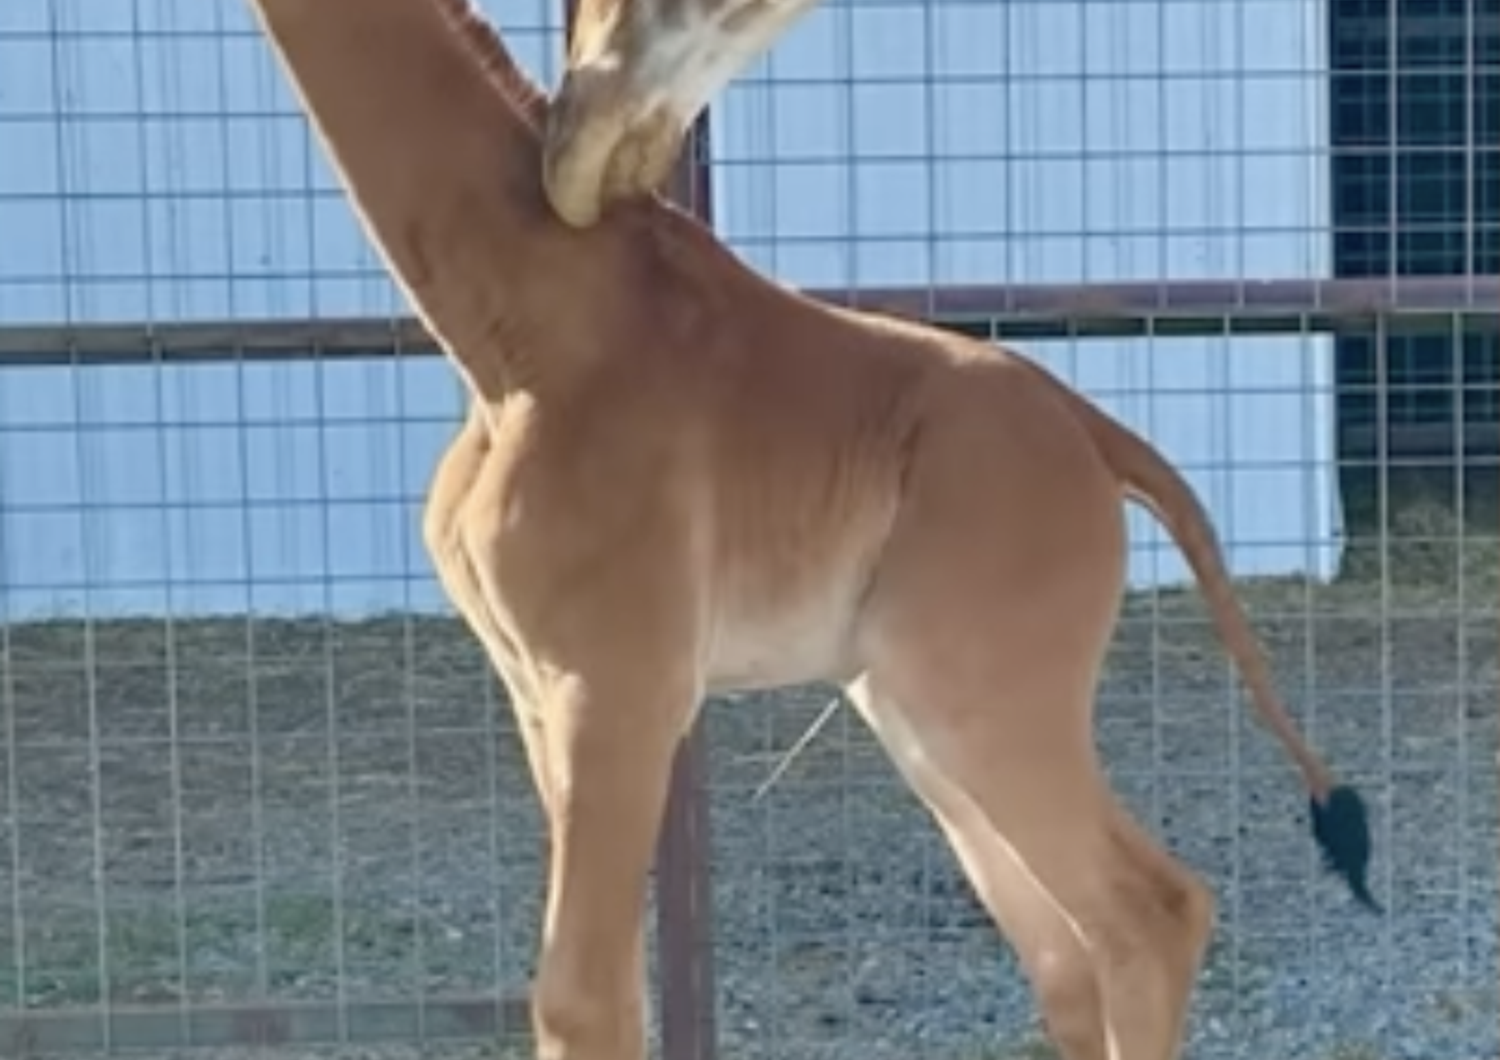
<point x="259" y="788"/>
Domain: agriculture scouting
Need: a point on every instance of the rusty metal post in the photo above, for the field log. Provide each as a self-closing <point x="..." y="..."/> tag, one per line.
<point x="684" y="883"/>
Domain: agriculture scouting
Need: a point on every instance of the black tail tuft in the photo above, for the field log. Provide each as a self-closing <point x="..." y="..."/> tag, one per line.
<point x="1341" y="827"/>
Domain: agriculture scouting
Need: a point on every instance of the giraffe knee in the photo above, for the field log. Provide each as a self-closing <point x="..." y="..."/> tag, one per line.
<point x="1069" y="997"/>
<point x="574" y="1017"/>
<point x="1187" y="911"/>
<point x="1160" y="898"/>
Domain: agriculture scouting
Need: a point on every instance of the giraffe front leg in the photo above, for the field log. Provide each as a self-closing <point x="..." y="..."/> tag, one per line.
<point x="609" y="747"/>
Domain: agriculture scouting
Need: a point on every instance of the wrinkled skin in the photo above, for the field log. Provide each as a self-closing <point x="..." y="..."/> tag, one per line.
<point x="639" y="73"/>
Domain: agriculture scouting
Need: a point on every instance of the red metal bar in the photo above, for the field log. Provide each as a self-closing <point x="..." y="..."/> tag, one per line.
<point x="271" y="1024"/>
<point x="1207" y="307"/>
<point x="1152" y="299"/>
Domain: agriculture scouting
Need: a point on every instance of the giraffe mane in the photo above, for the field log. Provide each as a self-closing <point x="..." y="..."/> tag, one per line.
<point x="486" y="45"/>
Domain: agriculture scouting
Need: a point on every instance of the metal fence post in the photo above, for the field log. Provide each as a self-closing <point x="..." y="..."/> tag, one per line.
<point x="684" y="888"/>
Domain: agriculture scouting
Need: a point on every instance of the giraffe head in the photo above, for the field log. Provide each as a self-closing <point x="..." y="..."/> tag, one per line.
<point x="639" y="73"/>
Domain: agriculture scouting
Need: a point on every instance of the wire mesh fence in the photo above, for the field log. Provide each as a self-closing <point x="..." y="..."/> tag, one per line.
<point x="257" y="785"/>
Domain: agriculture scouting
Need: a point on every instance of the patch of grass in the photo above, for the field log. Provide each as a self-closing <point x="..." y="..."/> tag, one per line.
<point x="1355" y="1051"/>
<point x="1033" y="1048"/>
<point x="301" y="934"/>
<point x="1037" y="1048"/>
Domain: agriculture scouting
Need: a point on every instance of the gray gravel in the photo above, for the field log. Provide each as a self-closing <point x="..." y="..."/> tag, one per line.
<point x="844" y="931"/>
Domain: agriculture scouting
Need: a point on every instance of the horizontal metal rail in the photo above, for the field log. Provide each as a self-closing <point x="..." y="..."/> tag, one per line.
<point x="147" y="1030"/>
<point x="1203" y="308"/>
<point x="1419" y="443"/>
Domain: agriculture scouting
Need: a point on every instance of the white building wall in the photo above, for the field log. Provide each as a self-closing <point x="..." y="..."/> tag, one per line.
<point x="153" y="167"/>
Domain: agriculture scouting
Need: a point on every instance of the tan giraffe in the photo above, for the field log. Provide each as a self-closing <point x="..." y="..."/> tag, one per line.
<point x="677" y="478"/>
<point x="639" y="73"/>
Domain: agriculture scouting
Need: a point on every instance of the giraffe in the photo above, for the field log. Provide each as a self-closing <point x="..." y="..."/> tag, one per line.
<point x="678" y="478"/>
<point x="639" y="73"/>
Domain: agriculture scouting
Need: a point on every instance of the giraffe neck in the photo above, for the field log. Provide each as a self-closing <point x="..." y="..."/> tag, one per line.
<point x="432" y="131"/>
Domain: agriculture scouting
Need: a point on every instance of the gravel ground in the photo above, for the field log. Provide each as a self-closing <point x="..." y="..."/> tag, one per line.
<point x="396" y="816"/>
